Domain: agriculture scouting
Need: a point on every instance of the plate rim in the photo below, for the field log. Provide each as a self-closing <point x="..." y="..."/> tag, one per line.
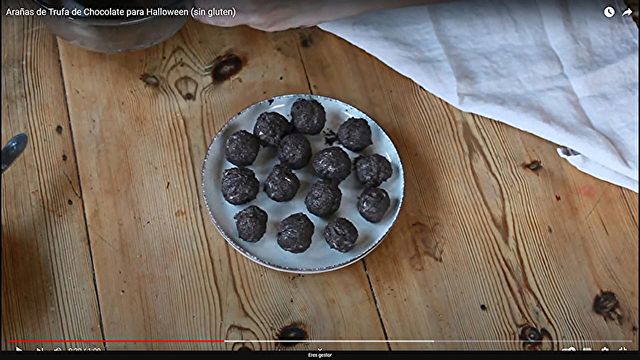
<point x="283" y="268"/>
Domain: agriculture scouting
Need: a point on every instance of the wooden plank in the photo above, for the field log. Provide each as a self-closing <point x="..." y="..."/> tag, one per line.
<point x="47" y="276"/>
<point x="162" y="270"/>
<point x="485" y="246"/>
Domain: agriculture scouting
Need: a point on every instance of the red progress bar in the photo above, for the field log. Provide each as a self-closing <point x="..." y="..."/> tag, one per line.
<point x="118" y="341"/>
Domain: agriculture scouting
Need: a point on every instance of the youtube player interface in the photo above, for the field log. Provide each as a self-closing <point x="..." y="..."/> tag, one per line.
<point x="319" y="178"/>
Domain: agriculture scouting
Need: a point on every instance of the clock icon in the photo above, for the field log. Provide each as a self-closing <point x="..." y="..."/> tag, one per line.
<point x="609" y="11"/>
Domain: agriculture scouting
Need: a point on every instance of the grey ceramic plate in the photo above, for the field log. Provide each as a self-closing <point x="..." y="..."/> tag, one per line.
<point x="319" y="257"/>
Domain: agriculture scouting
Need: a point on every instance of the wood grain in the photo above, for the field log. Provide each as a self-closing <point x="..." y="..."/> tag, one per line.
<point x="489" y="246"/>
<point x="162" y="270"/>
<point x="47" y="275"/>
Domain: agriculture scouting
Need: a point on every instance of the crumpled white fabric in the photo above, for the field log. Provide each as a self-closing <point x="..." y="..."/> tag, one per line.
<point x="559" y="69"/>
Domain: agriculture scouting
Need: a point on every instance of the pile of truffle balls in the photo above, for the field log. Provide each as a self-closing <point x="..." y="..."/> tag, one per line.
<point x="331" y="165"/>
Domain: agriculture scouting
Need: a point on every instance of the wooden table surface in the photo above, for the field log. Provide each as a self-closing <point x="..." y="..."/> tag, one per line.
<point x="104" y="233"/>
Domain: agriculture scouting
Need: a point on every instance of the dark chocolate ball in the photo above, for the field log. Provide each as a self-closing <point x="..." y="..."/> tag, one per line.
<point x="295" y="232"/>
<point x="341" y="234"/>
<point x="323" y="199"/>
<point x="294" y="151"/>
<point x="241" y="148"/>
<point x="281" y="184"/>
<point x="270" y="128"/>
<point x="308" y="116"/>
<point x="239" y="185"/>
<point x="372" y="170"/>
<point x="251" y="223"/>
<point x="355" y="134"/>
<point x="331" y="163"/>
<point x="373" y="204"/>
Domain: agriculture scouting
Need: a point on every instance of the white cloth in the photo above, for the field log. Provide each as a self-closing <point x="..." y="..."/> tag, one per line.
<point x="559" y="69"/>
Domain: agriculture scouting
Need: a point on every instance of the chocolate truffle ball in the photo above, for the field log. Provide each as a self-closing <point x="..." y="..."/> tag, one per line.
<point x="295" y="232"/>
<point x="372" y="170"/>
<point x="331" y="163"/>
<point x="308" y="116"/>
<point x="239" y="185"/>
<point x="294" y="151"/>
<point x="355" y="134"/>
<point x="242" y="148"/>
<point x="341" y="234"/>
<point x="270" y="128"/>
<point x="281" y="184"/>
<point x="323" y="198"/>
<point x="251" y="223"/>
<point x="373" y="204"/>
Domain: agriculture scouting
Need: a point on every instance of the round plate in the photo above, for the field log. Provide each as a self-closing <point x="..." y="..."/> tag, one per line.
<point x="319" y="257"/>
